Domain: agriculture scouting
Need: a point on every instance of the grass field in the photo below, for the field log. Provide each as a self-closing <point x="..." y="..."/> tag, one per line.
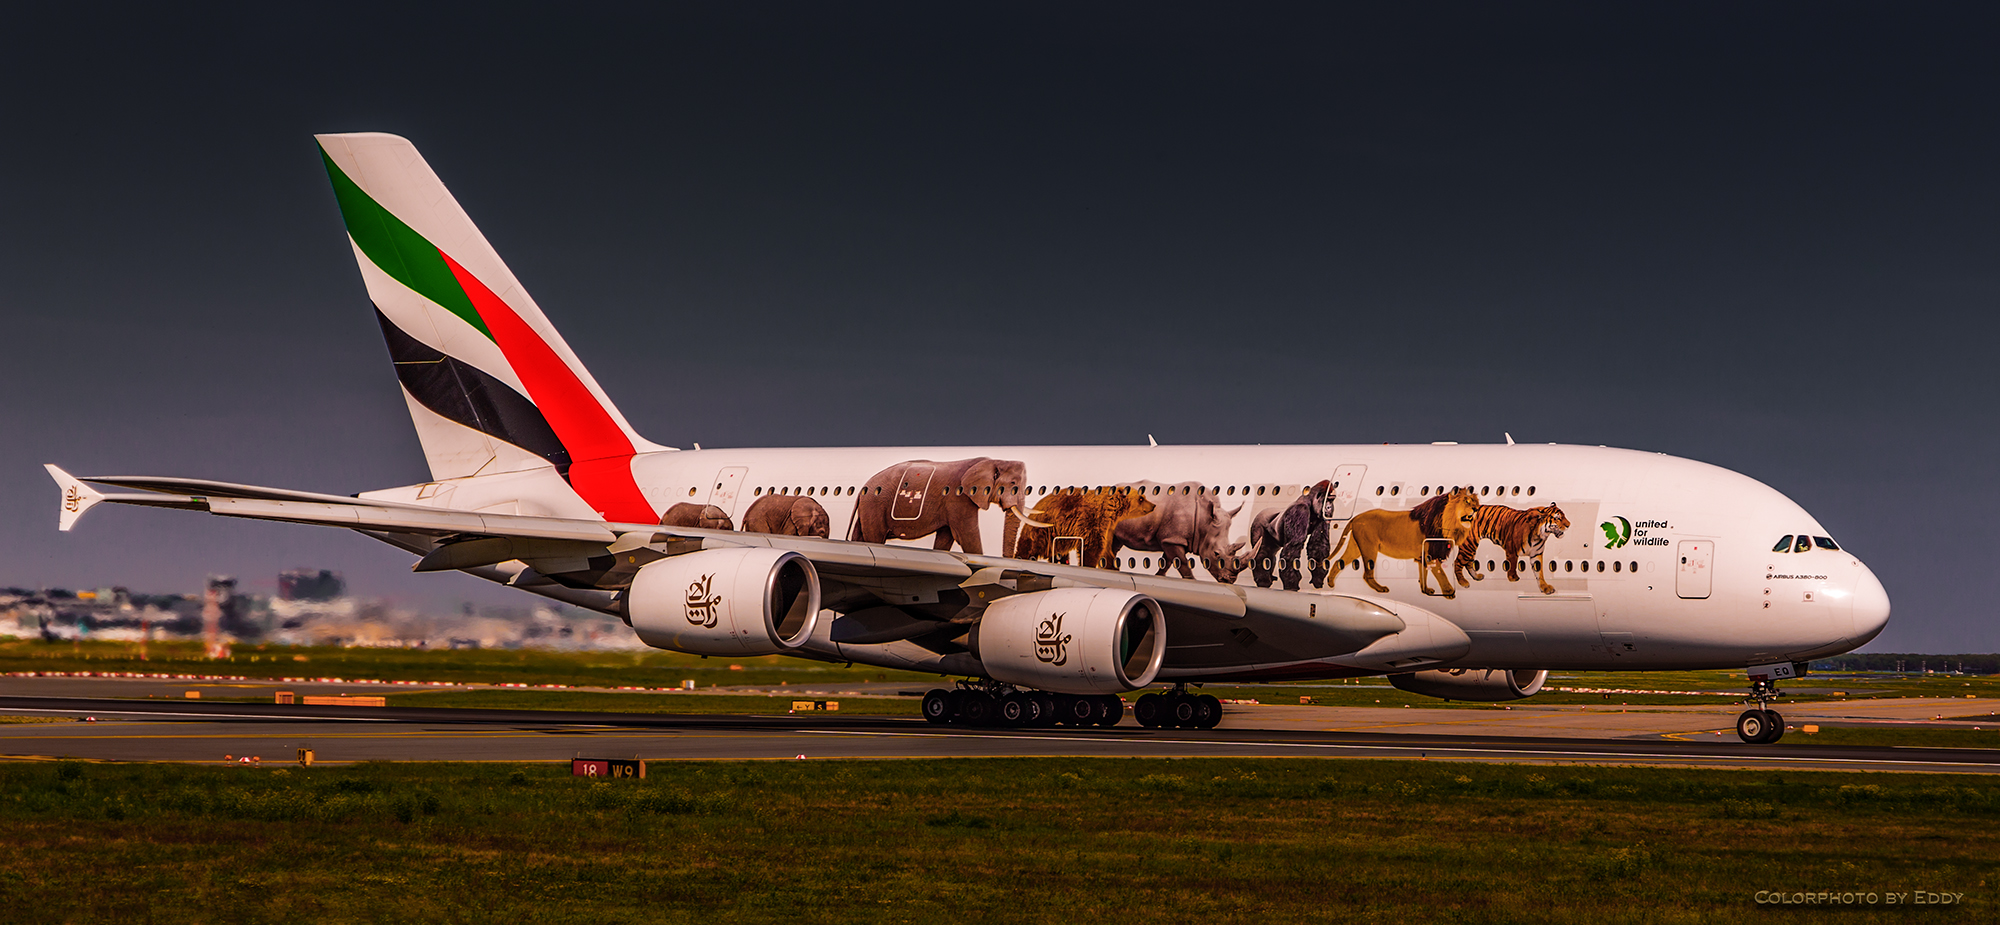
<point x="1905" y="736"/>
<point x="1003" y="840"/>
<point x="593" y="701"/>
<point x="650" y="668"/>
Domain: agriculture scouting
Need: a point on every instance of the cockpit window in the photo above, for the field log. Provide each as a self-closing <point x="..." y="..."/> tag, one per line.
<point x="1804" y="543"/>
<point x="1825" y="542"/>
<point x="1784" y="545"/>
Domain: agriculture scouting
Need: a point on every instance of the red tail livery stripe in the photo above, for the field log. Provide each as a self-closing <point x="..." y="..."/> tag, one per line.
<point x="600" y="454"/>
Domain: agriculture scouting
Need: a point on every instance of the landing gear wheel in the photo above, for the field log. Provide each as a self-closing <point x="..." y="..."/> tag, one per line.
<point x="1076" y="711"/>
<point x="1047" y="704"/>
<point x="977" y="709"/>
<point x="1777" y="727"/>
<point x="1148" y="710"/>
<point x="1208" y="711"/>
<point x="1753" y="726"/>
<point x="1180" y="711"/>
<point x="938" y="707"/>
<point x="1016" y="710"/>
<point x="1110" y="709"/>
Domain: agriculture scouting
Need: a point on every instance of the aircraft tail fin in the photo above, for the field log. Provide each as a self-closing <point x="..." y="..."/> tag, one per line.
<point x="490" y="384"/>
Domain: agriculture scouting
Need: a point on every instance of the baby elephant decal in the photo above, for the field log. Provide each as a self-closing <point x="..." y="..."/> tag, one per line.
<point x="705" y="516"/>
<point x="787" y="515"/>
<point x="1086" y="518"/>
<point x="919" y="498"/>
<point x="1440" y="522"/>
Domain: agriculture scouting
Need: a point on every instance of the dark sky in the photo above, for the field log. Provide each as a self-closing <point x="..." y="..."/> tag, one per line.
<point x="1762" y="236"/>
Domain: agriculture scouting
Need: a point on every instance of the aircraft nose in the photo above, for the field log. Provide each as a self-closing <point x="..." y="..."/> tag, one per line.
<point x="1871" y="606"/>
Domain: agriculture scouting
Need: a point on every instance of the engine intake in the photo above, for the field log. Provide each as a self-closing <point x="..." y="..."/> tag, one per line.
<point x="745" y="601"/>
<point x="1484" y="685"/>
<point x="1073" y="640"/>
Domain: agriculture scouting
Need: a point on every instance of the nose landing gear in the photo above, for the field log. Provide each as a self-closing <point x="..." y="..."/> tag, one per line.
<point x="1177" y="709"/>
<point x="1761" y="725"/>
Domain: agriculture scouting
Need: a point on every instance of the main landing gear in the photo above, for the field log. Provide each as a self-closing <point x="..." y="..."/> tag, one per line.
<point x="992" y="704"/>
<point x="1177" y="709"/>
<point x="1761" y="725"/>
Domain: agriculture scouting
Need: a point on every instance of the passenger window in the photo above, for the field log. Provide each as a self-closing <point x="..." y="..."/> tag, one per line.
<point x="1802" y="544"/>
<point x="1426" y="492"/>
<point x="1517" y="489"/>
<point x="756" y="491"/>
<point x="1531" y="491"/>
<point x="1617" y="566"/>
<point x="1635" y="566"/>
<point x="1490" y="566"/>
<point x="1378" y="490"/>
<point x="1568" y="565"/>
<point x="1600" y="565"/>
<point x="1825" y="542"/>
<point x="1784" y="545"/>
<point x="1396" y="490"/>
<point x="1482" y="489"/>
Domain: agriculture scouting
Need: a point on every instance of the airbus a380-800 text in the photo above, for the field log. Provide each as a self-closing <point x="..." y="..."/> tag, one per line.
<point x="1051" y="579"/>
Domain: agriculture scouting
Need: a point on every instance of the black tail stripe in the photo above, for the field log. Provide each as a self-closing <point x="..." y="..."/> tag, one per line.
<point x="460" y="392"/>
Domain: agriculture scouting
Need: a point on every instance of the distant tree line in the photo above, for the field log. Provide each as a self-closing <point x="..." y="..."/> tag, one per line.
<point x="1911" y="662"/>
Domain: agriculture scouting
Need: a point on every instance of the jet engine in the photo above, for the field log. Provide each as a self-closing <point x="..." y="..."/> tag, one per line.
<point x="1485" y="685"/>
<point x="745" y="601"/>
<point x="1073" y="640"/>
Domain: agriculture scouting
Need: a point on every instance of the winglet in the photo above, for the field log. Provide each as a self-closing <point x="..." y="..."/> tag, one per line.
<point x="76" y="497"/>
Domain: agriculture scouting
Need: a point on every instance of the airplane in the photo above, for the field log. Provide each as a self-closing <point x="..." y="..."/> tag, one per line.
<point x="1049" y="579"/>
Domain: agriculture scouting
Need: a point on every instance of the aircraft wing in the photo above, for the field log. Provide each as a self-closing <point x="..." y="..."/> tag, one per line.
<point x="587" y="562"/>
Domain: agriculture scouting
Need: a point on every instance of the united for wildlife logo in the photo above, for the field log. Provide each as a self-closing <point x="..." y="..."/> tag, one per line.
<point x="1616" y="535"/>
<point x="702" y="602"/>
<point x="1051" y="643"/>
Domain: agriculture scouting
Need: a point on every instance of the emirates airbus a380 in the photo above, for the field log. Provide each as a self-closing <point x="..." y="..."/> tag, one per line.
<point x="1054" y="578"/>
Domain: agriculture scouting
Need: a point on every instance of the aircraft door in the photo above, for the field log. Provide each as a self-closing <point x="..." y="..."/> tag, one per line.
<point x="1694" y="578"/>
<point x="912" y="490"/>
<point x="728" y="484"/>
<point x="1346" y="489"/>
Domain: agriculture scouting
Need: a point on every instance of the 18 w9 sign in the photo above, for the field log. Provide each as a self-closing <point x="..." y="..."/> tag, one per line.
<point x="607" y="767"/>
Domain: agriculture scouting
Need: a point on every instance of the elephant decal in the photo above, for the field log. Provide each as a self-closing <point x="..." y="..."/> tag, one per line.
<point x="1184" y="522"/>
<point x="1086" y="517"/>
<point x="705" y="516"/>
<point x="787" y="515"/>
<point x="919" y="498"/>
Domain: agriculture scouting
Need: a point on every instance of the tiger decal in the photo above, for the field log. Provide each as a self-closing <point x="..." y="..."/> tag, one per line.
<point x="1520" y="533"/>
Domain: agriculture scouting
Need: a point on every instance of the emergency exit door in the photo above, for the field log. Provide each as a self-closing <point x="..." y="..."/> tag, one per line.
<point x="1694" y="577"/>
<point x="1346" y="488"/>
<point x="728" y="484"/>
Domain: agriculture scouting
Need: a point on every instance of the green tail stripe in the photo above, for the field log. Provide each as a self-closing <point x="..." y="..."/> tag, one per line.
<point x="398" y="249"/>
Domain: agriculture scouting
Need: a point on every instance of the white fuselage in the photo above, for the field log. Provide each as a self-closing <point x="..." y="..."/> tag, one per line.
<point x="1666" y="562"/>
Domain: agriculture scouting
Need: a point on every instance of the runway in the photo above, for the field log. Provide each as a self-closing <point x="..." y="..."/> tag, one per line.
<point x="215" y="732"/>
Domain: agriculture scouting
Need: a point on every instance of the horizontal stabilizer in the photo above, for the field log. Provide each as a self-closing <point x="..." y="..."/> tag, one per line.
<point x="76" y="497"/>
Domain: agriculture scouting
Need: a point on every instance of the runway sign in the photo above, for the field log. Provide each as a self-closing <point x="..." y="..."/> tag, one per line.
<point x="607" y="767"/>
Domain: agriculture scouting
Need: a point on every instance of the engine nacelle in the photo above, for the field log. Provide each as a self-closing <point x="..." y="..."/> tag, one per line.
<point x="1485" y="685"/>
<point x="1073" y="640"/>
<point x="745" y="601"/>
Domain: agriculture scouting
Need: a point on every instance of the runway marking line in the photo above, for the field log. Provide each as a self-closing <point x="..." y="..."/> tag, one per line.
<point x="1426" y="748"/>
